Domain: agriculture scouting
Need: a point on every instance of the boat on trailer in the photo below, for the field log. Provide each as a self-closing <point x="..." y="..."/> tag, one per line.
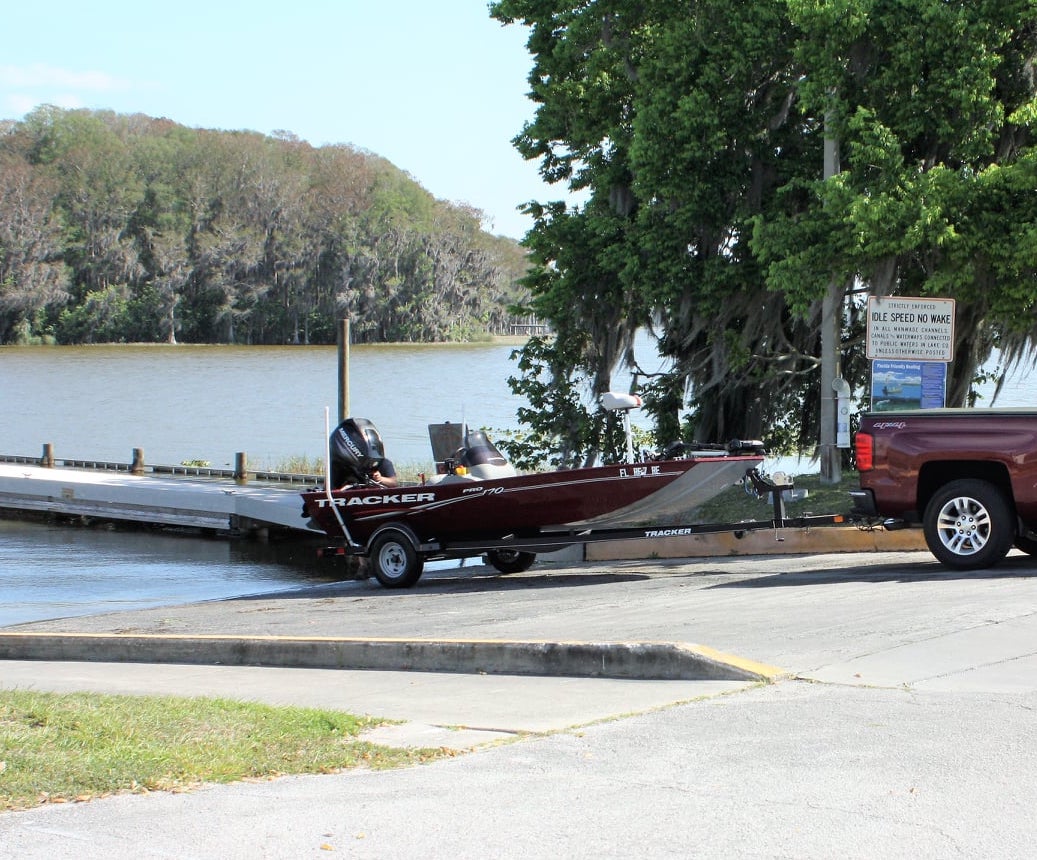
<point x="477" y="504"/>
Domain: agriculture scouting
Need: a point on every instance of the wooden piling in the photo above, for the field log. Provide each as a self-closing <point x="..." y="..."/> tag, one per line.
<point x="343" y="370"/>
<point x="241" y="467"/>
<point x="137" y="466"/>
<point x="47" y="460"/>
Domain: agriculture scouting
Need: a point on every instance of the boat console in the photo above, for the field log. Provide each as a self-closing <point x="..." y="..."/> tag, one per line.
<point x="464" y="454"/>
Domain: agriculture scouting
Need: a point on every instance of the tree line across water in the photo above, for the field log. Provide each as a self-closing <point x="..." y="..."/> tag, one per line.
<point x="125" y="228"/>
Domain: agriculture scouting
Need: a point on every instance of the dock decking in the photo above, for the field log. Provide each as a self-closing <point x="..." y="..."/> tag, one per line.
<point x="219" y="505"/>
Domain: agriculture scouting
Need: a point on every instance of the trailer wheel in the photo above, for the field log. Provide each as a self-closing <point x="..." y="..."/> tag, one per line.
<point x="969" y="524"/>
<point x="511" y="560"/>
<point x="395" y="559"/>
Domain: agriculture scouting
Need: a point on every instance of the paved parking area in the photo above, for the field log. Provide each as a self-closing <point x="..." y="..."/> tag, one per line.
<point x="904" y="727"/>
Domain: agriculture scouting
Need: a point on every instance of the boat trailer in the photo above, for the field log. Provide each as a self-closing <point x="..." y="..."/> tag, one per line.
<point x="515" y="553"/>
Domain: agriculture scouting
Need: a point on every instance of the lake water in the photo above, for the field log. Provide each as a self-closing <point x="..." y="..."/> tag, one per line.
<point x="59" y="572"/>
<point x="182" y="403"/>
<point x="207" y="403"/>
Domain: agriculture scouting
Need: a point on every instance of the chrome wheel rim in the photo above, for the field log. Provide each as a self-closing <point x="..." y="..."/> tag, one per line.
<point x="964" y="525"/>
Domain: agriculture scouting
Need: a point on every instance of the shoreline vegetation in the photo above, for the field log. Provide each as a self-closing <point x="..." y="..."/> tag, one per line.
<point x="138" y="229"/>
<point x="516" y="340"/>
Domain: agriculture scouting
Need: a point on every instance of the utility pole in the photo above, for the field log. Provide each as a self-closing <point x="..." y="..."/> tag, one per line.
<point x="831" y="338"/>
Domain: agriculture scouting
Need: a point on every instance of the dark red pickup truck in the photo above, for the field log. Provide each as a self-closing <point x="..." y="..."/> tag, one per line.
<point x="967" y="476"/>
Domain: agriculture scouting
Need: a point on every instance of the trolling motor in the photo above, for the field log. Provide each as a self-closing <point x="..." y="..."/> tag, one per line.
<point x="617" y="402"/>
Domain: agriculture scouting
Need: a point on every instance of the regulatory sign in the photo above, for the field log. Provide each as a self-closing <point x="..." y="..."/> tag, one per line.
<point x="910" y="329"/>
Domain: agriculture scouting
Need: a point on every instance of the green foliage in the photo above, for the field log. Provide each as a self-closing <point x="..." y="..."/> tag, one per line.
<point x="695" y="132"/>
<point x="127" y="228"/>
<point x="563" y="432"/>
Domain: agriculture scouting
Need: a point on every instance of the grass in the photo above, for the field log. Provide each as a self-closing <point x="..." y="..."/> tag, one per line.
<point x="302" y="465"/>
<point x="60" y="748"/>
<point x="734" y="505"/>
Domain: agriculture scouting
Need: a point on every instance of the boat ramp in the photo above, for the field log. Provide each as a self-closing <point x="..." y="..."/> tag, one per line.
<point x="216" y="504"/>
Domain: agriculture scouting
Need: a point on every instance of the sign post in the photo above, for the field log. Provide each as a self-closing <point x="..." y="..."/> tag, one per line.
<point x="842" y="427"/>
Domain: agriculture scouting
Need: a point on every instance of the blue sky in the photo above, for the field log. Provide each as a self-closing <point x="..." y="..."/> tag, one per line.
<point x="438" y="88"/>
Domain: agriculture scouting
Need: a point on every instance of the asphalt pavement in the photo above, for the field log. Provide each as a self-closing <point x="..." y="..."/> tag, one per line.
<point x="865" y="704"/>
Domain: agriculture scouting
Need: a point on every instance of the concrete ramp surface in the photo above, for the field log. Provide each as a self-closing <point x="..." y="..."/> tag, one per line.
<point x="213" y="504"/>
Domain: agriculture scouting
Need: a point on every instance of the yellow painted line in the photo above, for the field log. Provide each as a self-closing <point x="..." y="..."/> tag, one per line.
<point x="771" y="672"/>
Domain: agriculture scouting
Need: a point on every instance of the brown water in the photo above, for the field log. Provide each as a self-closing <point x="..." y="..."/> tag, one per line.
<point x="209" y="402"/>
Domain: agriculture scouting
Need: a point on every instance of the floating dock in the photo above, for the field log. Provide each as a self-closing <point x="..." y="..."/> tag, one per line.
<point x="217" y="505"/>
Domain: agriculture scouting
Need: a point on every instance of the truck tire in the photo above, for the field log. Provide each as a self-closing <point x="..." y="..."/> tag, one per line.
<point x="1026" y="544"/>
<point x="395" y="559"/>
<point x="969" y="524"/>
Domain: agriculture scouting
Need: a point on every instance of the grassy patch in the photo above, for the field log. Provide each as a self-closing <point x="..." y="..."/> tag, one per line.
<point x="408" y="472"/>
<point x="56" y="748"/>
<point x="734" y="505"/>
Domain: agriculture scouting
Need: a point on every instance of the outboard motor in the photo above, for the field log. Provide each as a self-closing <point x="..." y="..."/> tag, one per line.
<point x="356" y="447"/>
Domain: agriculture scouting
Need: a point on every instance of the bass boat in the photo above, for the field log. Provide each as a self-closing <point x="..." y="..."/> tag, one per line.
<point x="478" y="504"/>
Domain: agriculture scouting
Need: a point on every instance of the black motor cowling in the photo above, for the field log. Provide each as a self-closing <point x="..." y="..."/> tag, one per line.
<point x="356" y="448"/>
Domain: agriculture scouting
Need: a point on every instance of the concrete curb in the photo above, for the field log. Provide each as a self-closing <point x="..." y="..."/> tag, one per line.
<point x="632" y="660"/>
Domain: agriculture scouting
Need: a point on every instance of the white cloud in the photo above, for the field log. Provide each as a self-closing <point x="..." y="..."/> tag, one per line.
<point x="40" y="75"/>
<point x="18" y="104"/>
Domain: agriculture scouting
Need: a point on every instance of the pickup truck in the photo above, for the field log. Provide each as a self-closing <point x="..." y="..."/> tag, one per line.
<point x="967" y="476"/>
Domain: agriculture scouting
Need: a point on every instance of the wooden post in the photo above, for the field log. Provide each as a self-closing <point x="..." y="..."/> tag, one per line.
<point x="137" y="466"/>
<point x="343" y="370"/>
<point x="241" y="467"/>
<point x="47" y="460"/>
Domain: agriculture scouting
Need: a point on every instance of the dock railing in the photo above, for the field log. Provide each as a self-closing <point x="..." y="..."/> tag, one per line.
<point x="137" y="466"/>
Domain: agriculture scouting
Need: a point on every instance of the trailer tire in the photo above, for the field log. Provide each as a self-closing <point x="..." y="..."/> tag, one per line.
<point x="511" y="560"/>
<point x="395" y="559"/>
<point x="969" y="524"/>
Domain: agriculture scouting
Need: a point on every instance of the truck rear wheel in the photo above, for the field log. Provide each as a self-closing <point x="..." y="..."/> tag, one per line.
<point x="1026" y="544"/>
<point x="969" y="524"/>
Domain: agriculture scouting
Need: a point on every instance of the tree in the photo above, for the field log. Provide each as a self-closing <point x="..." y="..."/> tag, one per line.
<point x="935" y="105"/>
<point x="161" y="232"/>
<point x="32" y="277"/>
<point x="695" y="131"/>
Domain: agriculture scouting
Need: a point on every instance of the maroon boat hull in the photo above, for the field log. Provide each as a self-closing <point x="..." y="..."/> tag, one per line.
<point x="458" y="509"/>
